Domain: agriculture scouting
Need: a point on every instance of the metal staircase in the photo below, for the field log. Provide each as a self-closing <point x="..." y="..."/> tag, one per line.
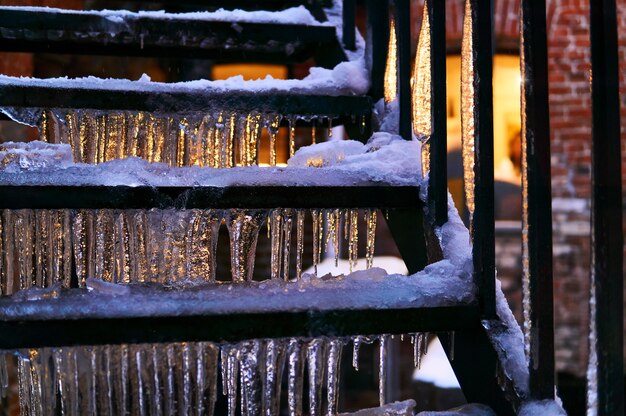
<point x="86" y="319"/>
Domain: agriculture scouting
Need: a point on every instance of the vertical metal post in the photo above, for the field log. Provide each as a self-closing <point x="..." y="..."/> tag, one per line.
<point x="349" y="24"/>
<point x="537" y="196"/>
<point x="377" y="43"/>
<point x="484" y="249"/>
<point x="403" y="38"/>
<point x="607" y="239"/>
<point x="438" y="179"/>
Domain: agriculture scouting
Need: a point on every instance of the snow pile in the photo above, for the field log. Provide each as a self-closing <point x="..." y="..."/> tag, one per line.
<point x="472" y="409"/>
<point x="385" y="157"/>
<point x="349" y="77"/>
<point x="294" y="15"/>
<point x="541" y="408"/>
<point x="404" y="408"/>
<point x="34" y="156"/>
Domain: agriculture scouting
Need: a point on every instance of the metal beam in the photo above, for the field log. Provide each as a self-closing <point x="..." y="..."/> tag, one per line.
<point x="91" y="33"/>
<point x="537" y="198"/>
<point x="607" y="313"/>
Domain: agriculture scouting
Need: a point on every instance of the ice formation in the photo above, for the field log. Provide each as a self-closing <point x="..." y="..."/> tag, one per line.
<point x="471" y="409"/>
<point x="182" y="378"/>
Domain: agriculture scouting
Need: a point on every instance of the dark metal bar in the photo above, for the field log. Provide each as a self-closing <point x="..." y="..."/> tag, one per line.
<point x="377" y="44"/>
<point x="152" y="315"/>
<point x="483" y="225"/>
<point x="438" y="179"/>
<point x="187" y="197"/>
<point x="537" y="196"/>
<point x="403" y="39"/>
<point x="93" y="34"/>
<point x="20" y="94"/>
<point x="407" y="229"/>
<point x="349" y="24"/>
<point x="607" y="238"/>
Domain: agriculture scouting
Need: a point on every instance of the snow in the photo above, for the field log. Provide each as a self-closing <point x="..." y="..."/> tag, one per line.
<point x="472" y="409"/>
<point x="295" y="15"/>
<point x="346" y="78"/>
<point x="386" y="159"/>
<point x="404" y="408"/>
<point x="435" y="368"/>
<point x="384" y="156"/>
<point x="541" y="408"/>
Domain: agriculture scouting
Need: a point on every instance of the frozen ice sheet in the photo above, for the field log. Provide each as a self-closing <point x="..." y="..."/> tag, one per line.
<point x="404" y="408"/>
<point x="471" y="409"/>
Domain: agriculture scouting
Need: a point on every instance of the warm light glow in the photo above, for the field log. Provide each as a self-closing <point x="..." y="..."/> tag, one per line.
<point x="421" y="91"/>
<point x="391" y="69"/>
<point x="249" y="71"/>
<point x="467" y="107"/>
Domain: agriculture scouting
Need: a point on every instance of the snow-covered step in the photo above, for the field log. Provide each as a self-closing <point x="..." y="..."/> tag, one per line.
<point x="336" y="94"/>
<point x="362" y="303"/>
<point x="291" y="35"/>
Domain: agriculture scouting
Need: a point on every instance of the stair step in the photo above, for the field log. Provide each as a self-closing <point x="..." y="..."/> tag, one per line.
<point x="91" y="188"/>
<point x="286" y="36"/>
<point x="297" y="97"/>
<point x="229" y="312"/>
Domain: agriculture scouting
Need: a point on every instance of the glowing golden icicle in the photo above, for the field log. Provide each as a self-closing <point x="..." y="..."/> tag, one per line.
<point x="317" y="237"/>
<point x="313" y="131"/>
<point x="391" y="69"/>
<point x="421" y="90"/>
<point x="467" y="107"/>
<point x="353" y="240"/>
<point x="370" y="218"/>
<point x="299" y="241"/>
<point x="273" y="131"/>
<point x="292" y="136"/>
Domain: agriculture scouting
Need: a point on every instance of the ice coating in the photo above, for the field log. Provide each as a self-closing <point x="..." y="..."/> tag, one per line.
<point x="33" y="156"/>
<point x="404" y="408"/>
<point x="471" y="409"/>
<point x="421" y="91"/>
<point x="541" y="408"/>
<point x="468" y="80"/>
<point x="293" y="15"/>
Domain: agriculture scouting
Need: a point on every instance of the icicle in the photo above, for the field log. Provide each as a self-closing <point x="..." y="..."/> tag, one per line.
<point x="156" y="382"/>
<point x="206" y="388"/>
<point x="23" y="374"/>
<point x="169" y="390"/>
<point x="252" y="388"/>
<point x="299" y="241"/>
<point x="276" y="218"/>
<point x="274" y="366"/>
<point x="313" y="131"/>
<point x="418" y="348"/>
<point x="184" y="387"/>
<point x="243" y="228"/>
<point x="370" y="218"/>
<point x="292" y="136"/>
<point x="356" y="346"/>
<point x="382" y="368"/>
<point x="467" y="107"/>
<point x="317" y="237"/>
<point x="273" y="131"/>
<point x="296" y="373"/>
<point x="391" y="67"/>
<point x="330" y="127"/>
<point x="287" y="226"/>
<point x="316" y="359"/>
<point x="230" y="368"/>
<point x="421" y="90"/>
<point x="332" y="383"/>
<point x="353" y="240"/>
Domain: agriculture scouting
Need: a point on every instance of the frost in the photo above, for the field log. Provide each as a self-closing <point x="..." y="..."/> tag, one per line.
<point x="33" y="156"/>
<point x="542" y="408"/>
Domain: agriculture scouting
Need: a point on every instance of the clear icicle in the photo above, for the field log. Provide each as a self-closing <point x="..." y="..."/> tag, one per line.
<point x="230" y="369"/>
<point x="273" y="131"/>
<point x="275" y="354"/>
<point x="207" y="378"/>
<point x="356" y="346"/>
<point x="353" y="238"/>
<point x="156" y="382"/>
<point x="287" y="229"/>
<point x="421" y="90"/>
<point x="370" y="218"/>
<point x="382" y="369"/>
<point x="334" y="367"/>
<point x="317" y="237"/>
<point x="296" y="351"/>
<point x="316" y="351"/>
<point x="243" y="227"/>
<point x="391" y="67"/>
<point x="467" y="107"/>
<point x="250" y="368"/>
<point x="4" y="376"/>
<point x="276" y="235"/>
<point x="299" y="241"/>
